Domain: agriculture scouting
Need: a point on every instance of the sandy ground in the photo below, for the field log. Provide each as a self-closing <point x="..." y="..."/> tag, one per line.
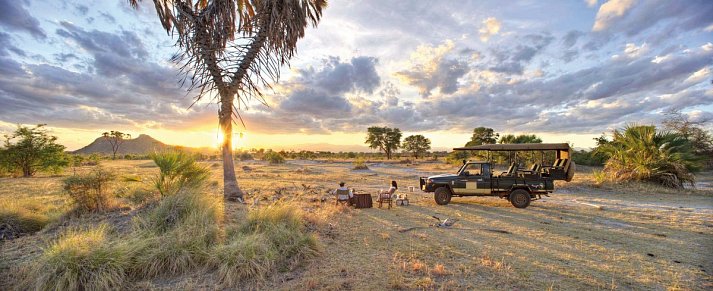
<point x="583" y="237"/>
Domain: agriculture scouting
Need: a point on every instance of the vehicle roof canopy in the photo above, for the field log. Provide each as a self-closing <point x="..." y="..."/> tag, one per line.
<point x="517" y="147"/>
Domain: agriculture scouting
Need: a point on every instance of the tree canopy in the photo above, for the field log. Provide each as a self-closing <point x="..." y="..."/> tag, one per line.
<point x="417" y="145"/>
<point x="30" y="149"/>
<point x="384" y="138"/>
<point x="523" y="138"/>
<point x="483" y="135"/>
<point x="115" y="138"/>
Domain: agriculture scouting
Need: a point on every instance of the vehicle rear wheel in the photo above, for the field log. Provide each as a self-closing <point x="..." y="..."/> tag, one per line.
<point x="520" y="198"/>
<point x="442" y="196"/>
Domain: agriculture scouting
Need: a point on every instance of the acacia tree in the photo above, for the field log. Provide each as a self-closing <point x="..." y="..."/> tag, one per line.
<point x="232" y="49"/>
<point x="483" y="135"/>
<point x="418" y="145"/>
<point x="383" y="138"/>
<point x="115" y="138"/>
<point x="31" y="149"/>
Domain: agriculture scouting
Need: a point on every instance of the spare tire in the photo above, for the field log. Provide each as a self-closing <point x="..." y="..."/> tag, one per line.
<point x="570" y="171"/>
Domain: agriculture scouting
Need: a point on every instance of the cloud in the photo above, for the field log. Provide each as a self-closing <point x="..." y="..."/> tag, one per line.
<point x="610" y="11"/>
<point x="338" y="77"/>
<point x="491" y="26"/>
<point x="512" y="60"/>
<point x="14" y="16"/>
<point x="664" y="18"/>
<point x="591" y="3"/>
<point x="436" y="67"/>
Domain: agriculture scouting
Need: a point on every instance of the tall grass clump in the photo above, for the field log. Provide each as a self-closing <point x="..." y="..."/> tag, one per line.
<point x="178" y="170"/>
<point x="360" y="164"/>
<point x="89" y="191"/>
<point x="16" y="220"/>
<point x="81" y="260"/>
<point x="271" y="238"/>
<point x="273" y="157"/>
<point x="180" y="232"/>
<point x="641" y="153"/>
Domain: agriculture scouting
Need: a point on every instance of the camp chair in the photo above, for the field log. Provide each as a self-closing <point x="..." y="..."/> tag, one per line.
<point x="342" y="196"/>
<point x="511" y="170"/>
<point x="385" y="197"/>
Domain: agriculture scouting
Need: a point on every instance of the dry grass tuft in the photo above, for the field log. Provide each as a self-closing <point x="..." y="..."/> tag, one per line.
<point x="439" y="270"/>
<point x="80" y="260"/>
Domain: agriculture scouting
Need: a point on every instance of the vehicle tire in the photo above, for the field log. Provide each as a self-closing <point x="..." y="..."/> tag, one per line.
<point x="442" y="195"/>
<point x="520" y="198"/>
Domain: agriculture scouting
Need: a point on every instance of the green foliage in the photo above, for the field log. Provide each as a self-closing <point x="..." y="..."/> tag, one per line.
<point x="457" y="157"/>
<point x="701" y="140"/>
<point x="641" y="153"/>
<point x="417" y="145"/>
<point x="483" y="135"/>
<point x="81" y="260"/>
<point x="30" y="149"/>
<point x="385" y="139"/>
<point x="88" y="192"/>
<point x="178" y="170"/>
<point x="244" y="156"/>
<point x="273" y="157"/>
<point x="523" y="138"/>
<point x="589" y="158"/>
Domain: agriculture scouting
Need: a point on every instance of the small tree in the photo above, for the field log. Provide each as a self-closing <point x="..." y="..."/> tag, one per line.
<point x="523" y="138"/>
<point x="417" y="145"/>
<point x="483" y="135"/>
<point x="115" y="138"/>
<point x="383" y="138"/>
<point x="33" y="150"/>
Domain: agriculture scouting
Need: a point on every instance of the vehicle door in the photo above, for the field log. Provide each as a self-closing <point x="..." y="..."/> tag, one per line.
<point x="471" y="181"/>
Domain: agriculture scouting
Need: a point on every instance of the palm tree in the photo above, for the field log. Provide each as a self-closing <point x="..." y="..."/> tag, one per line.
<point x="233" y="49"/>
<point x="643" y="153"/>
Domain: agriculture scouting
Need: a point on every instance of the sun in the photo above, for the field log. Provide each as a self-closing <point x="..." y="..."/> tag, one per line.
<point x="239" y="140"/>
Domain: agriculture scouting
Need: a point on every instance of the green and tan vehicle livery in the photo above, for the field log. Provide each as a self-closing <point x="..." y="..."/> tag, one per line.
<point x="519" y="186"/>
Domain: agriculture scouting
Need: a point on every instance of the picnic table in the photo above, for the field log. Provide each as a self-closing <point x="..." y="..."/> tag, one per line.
<point x="361" y="199"/>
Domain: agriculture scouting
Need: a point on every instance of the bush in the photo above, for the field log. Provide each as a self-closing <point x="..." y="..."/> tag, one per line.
<point x="641" y="153"/>
<point x="359" y="164"/>
<point x="178" y="170"/>
<point x="244" y="156"/>
<point x="88" y="192"/>
<point x="273" y="157"/>
<point x="81" y="260"/>
<point x="457" y="157"/>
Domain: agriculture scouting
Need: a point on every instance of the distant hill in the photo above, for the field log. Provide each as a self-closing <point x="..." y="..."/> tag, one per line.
<point x="143" y="144"/>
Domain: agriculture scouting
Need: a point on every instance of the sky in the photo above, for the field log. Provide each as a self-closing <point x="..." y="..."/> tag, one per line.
<point x="567" y="71"/>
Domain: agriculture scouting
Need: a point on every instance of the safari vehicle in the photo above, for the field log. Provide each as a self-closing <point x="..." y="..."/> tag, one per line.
<point x="519" y="186"/>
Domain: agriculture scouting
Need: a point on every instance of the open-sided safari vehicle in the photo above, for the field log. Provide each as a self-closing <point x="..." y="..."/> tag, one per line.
<point x="519" y="186"/>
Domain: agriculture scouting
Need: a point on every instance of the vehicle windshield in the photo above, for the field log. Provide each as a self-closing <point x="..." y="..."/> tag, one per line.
<point x="472" y="169"/>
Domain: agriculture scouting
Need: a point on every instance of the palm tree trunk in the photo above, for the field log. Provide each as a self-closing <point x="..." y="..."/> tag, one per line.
<point x="231" y="191"/>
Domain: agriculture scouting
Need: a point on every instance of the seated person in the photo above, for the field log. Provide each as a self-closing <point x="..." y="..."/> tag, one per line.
<point x="343" y="188"/>
<point x="387" y="194"/>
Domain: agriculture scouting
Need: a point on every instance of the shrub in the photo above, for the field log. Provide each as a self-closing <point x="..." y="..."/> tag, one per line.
<point x="244" y="156"/>
<point x="457" y="157"/>
<point x="359" y="164"/>
<point x="273" y="157"/>
<point x="88" y="192"/>
<point x="81" y="260"/>
<point x="178" y="170"/>
<point x="641" y="153"/>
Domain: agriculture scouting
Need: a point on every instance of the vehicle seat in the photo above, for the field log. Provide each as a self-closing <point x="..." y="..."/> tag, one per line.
<point x="510" y="171"/>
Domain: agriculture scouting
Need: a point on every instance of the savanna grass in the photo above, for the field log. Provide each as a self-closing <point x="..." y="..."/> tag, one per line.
<point x="81" y="260"/>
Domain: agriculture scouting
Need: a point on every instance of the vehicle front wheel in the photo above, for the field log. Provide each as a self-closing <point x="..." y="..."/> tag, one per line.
<point x="520" y="198"/>
<point x="442" y="196"/>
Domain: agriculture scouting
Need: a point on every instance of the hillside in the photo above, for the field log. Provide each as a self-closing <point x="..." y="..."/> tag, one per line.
<point x="141" y="145"/>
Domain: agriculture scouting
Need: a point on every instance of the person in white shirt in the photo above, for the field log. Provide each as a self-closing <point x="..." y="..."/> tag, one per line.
<point x="342" y="187"/>
<point x="391" y="190"/>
